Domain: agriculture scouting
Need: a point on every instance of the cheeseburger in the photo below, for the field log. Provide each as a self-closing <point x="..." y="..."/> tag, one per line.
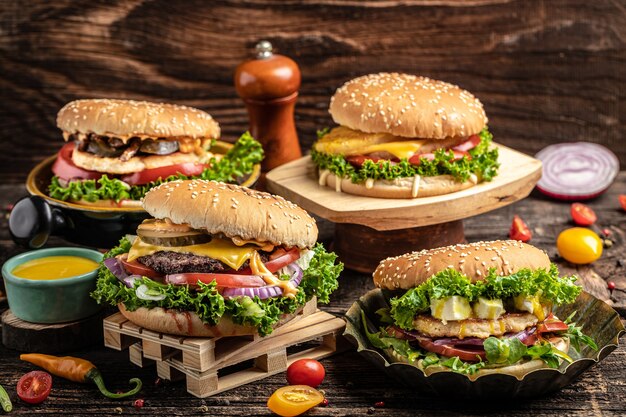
<point x="217" y="260"/>
<point x="118" y="149"/>
<point x="480" y="308"/>
<point x="404" y="136"/>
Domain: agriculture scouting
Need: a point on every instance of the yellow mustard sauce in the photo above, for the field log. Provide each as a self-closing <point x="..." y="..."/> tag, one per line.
<point x="54" y="267"/>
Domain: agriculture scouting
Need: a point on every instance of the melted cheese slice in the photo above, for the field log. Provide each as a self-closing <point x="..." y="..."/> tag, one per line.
<point x="221" y="249"/>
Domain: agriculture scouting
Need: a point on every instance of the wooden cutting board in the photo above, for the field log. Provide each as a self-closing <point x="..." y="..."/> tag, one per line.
<point x="297" y="182"/>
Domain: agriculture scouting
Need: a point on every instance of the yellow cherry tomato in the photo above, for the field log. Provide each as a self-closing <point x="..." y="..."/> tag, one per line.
<point x="579" y="245"/>
<point x="294" y="400"/>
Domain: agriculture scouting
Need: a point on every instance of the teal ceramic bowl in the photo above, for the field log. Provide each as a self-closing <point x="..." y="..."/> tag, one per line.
<point x="51" y="301"/>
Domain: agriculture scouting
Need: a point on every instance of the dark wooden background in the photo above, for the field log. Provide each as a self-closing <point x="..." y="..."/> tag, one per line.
<point x="547" y="71"/>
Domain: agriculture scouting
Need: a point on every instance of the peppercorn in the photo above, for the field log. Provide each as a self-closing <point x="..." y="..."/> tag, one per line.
<point x="610" y="285"/>
<point x="379" y="404"/>
<point x="370" y="410"/>
<point x="606" y="232"/>
<point x="138" y="403"/>
<point x="325" y="403"/>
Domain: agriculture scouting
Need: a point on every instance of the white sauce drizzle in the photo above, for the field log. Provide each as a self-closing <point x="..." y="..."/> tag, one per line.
<point x="338" y="184"/>
<point x="416" y="186"/>
<point x="369" y="183"/>
<point x="323" y="175"/>
<point x="473" y="178"/>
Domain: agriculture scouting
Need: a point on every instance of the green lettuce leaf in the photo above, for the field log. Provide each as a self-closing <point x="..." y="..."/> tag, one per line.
<point x="545" y="283"/>
<point x="483" y="163"/>
<point x="237" y="162"/>
<point x="319" y="279"/>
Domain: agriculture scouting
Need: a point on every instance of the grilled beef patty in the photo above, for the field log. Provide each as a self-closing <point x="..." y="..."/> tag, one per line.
<point x="165" y="262"/>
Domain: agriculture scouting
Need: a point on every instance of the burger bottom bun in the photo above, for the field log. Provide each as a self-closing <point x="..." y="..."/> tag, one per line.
<point x="401" y="187"/>
<point x="92" y="162"/>
<point x="186" y="323"/>
<point x="518" y="370"/>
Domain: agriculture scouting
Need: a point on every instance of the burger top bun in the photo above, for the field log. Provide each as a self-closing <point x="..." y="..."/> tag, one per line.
<point x="473" y="260"/>
<point x="407" y="105"/>
<point x="233" y="211"/>
<point x="128" y="118"/>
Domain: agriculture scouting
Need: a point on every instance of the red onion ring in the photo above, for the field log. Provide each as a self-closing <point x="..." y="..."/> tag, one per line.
<point x="576" y="171"/>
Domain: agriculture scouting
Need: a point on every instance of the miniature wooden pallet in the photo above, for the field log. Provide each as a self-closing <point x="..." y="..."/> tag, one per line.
<point x="198" y="353"/>
<point x="269" y="356"/>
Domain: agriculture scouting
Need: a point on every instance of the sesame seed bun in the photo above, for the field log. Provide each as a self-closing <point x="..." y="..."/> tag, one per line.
<point x="233" y="211"/>
<point x="407" y="105"/>
<point x="142" y="119"/>
<point x="474" y="260"/>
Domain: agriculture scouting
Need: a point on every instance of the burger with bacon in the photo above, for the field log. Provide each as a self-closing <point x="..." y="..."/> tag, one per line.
<point x="217" y="260"/>
<point x="404" y="136"/>
<point x="479" y="308"/>
<point x="119" y="149"/>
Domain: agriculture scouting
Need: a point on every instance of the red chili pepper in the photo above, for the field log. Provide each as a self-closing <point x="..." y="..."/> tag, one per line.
<point x="610" y="285"/>
<point x="138" y="403"/>
<point x="379" y="404"/>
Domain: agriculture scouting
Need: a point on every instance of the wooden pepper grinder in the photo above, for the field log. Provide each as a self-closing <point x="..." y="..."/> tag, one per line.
<point x="269" y="87"/>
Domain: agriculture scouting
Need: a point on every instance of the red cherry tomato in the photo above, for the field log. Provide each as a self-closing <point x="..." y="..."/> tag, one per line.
<point x="64" y="167"/>
<point x="583" y="215"/>
<point x="470" y="143"/>
<point x="519" y="230"/>
<point x="34" y="387"/>
<point x="135" y="267"/>
<point x="416" y="159"/>
<point x="622" y="201"/>
<point x="306" y="372"/>
<point x="148" y="175"/>
<point x="278" y="259"/>
<point x="222" y="280"/>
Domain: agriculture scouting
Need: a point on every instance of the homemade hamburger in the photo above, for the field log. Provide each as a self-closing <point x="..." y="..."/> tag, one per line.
<point x="119" y="149"/>
<point x="404" y="136"/>
<point x="217" y="260"/>
<point x="479" y="308"/>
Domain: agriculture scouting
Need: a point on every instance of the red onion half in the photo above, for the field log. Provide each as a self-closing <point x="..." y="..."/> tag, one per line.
<point x="576" y="171"/>
<point x="267" y="291"/>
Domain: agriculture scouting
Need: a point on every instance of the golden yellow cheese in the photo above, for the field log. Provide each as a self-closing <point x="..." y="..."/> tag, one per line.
<point x="221" y="249"/>
<point x="344" y="141"/>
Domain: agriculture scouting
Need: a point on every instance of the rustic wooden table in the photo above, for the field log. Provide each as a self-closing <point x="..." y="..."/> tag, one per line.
<point x="352" y="385"/>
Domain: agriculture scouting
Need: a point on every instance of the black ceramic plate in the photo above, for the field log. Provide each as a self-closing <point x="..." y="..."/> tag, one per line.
<point x="597" y="318"/>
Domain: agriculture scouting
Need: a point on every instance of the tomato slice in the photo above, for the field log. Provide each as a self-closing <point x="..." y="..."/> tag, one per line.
<point x="65" y="168"/>
<point x="136" y="267"/>
<point x="583" y="215"/>
<point x="519" y="230"/>
<point x="148" y="175"/>
<point x="470" y="143"/>
<point x="417" y="158"/>
<point x="222" y="280"/>
<point x="34" y="387"/>
<point x="294" y="400"/>
<point x="622" y="201"/>
<point x="551" y="325"/>
<point x="451" y="351"/>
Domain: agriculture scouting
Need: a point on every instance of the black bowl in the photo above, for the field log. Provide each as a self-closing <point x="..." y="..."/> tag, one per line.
<point x="597" y="319"/>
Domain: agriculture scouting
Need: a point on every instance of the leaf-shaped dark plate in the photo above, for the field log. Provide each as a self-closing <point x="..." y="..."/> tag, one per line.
<point x="597" y="319"/>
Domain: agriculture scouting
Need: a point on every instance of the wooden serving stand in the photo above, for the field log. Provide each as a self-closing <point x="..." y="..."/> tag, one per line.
<point x="368" y="230"/>
<point x="209" y="365"/>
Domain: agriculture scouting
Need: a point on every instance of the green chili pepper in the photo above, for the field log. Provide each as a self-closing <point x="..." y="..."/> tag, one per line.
<point x="5" y="401"/>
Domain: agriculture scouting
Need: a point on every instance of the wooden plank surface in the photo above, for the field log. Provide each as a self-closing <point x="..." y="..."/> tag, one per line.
<point x="547" y="71"/>
<point x="351" y="384"/>
<point x="297" y="181"/>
